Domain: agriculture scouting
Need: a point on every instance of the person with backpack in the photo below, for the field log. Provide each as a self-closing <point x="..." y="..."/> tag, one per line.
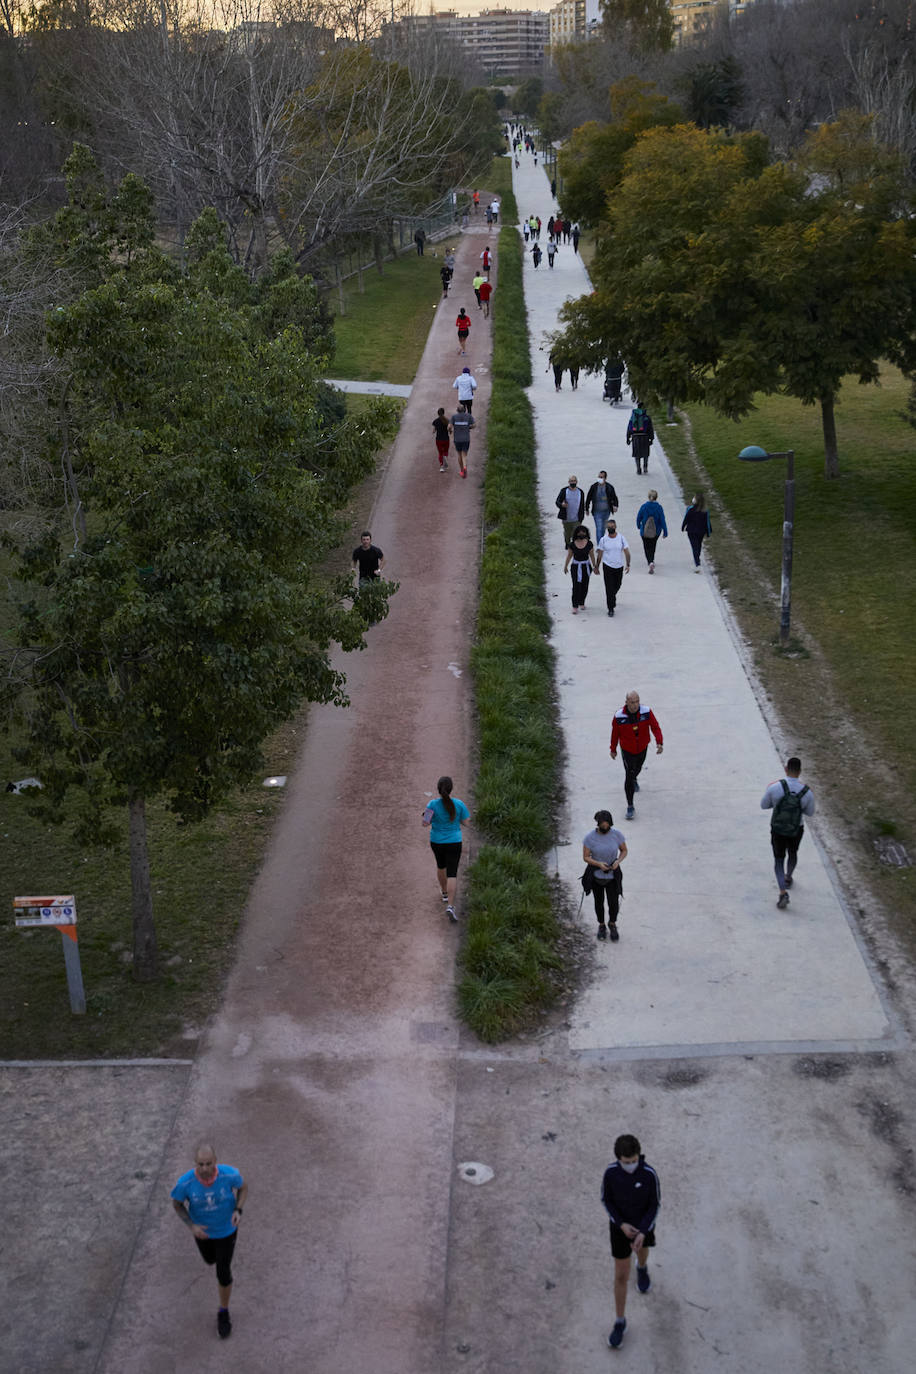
<point x="790" y="801"/>
<point x="640" y="435"/>
<point x="650" y="521"/>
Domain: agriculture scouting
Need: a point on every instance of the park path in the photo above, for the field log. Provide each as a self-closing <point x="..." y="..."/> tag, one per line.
<point x="329" y="1076"/>
<point x="753" y="1051"/>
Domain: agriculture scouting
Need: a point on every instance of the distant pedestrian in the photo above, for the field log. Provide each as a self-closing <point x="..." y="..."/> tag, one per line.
<point x="465" y="384"/>
<point x="526" y="229"/>
<point x="536" y="255"/>
<point x="489" y="214"/>
<point x="477" y="283"/>
<point x="631" y="1197"/>
<point x="550" y="226"/>
<point x="367" y="561"/>
<point x="640" y="435"/>
<point x="601" y="502"/>
<point x="537" y="221"/>
<point x="650" y="521"/>
<point x="633" y="724"/>
<point x="553" y="189"/>
<point x="551" y="252"/>
<point x="533" y="227"/>
<point x="603" y="850"/>
<point x="791" y="800"/>
<point x="581" y="555"/>
<point x="419" y="239"/>
<point x="613" y="380"/>
<point x="574" y="376"/>
<point x="486" y="291"/>
<point x="475" y="197"/>
<point x="462" y="424"/>
<point x="570" y="504"/>
<point x="698" y="525"/>
<point x="567" y="230"/>
<point x="210" y="1199"/>
<point x="495" y="208"/>
<point x="555" y="361"/>
<point x="449" y="261"/>
<point x="614" y="561"/>
<point x="575" y="238"/>
<point x="445" y="815"/>
<point x="442" y="432"/>
<point x="486" y="259"/>
<point x="463" y="325"/>
<point x="446" y="276"/>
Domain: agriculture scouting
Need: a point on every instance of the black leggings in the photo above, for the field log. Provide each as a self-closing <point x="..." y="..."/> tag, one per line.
<point x="649" y="546"/>
<point x="219" y="1251"/>
<point x="613" y="899"/>
<point x="632" y="767"/>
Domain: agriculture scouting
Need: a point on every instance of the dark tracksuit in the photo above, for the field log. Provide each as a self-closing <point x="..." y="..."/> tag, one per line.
<point x="631" y="1198"/>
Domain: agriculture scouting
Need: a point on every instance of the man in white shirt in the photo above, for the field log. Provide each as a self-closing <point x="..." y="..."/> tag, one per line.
<point x="614" y="560"/>
<point x="465" y="384"/>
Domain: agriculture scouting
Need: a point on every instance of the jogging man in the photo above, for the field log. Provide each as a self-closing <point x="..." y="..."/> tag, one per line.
<point x="368" y="559"/>
<point x="790" y="800"/>
<point x="209" y="1199"/>
<point x="465" y="384"/>
<point x="631" y="1198"/>
<point x="486" y="291"/>
<point x="462" y="424"/>
<point x="632" y="726"/>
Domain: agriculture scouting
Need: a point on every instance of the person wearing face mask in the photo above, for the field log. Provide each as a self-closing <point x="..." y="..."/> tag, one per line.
<point x="209" y="1199"/>
<point x="603" y="850"/>
<point x="631" y="1198"/>
<point x="614" y="561"/>
<point x="601" y="501"/>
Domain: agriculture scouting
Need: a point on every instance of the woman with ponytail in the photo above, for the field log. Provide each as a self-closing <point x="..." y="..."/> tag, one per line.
<point x="445" y="816"/>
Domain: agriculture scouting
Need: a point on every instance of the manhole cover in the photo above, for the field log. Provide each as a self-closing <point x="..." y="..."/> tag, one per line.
<point x="475" y="1173"/>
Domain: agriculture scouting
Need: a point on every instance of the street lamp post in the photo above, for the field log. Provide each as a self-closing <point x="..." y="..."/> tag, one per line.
<point x="755" y="454"/>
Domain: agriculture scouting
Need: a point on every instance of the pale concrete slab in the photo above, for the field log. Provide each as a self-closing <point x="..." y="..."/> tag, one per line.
<point x="396" y="389"/>
<point x="705" y="958"/>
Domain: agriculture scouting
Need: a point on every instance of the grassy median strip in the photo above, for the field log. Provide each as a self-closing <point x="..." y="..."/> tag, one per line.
<point x="509" y="963"/>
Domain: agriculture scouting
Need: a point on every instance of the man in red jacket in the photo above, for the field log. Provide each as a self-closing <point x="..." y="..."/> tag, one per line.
<point x="632" y="726"/>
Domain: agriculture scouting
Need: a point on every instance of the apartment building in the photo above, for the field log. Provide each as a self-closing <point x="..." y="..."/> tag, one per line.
<point x="503" y="42"/>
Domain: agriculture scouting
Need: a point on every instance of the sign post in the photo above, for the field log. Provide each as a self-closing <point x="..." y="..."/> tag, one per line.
<point x="59" y="913"/>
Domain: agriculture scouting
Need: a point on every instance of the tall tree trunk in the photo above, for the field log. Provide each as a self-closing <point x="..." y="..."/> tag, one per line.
<point x="378" y="249"/>
<point x="831" y="455"/>
<point x="145" y="967"/>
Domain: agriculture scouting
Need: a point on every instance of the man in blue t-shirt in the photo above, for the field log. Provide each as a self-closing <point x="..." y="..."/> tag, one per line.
<point x="209" y="1199"/>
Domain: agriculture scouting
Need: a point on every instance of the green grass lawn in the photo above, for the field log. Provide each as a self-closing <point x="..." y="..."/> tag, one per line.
<point x="849" y="694"/>
<point x="382" y="336"/>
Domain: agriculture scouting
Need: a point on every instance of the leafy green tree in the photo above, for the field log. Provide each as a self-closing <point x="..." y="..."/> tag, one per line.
<point x="528" y="96"/>
<point x="721" y="276"/>
<point x="647" y="24"/>
<point x="592" y="161"/>
<point x="157" y="651"/>
<point x="714" y="93"/>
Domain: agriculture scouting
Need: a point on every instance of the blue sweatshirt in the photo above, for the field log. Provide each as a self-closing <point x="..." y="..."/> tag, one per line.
<point x="652" y="508"/>
<point x="632" y="1198"/>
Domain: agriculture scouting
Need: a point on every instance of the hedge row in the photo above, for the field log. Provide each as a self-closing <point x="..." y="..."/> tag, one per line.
<point x="509" y="960"/>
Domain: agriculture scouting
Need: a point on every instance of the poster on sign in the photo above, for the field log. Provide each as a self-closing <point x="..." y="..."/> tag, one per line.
<point x="44" y="911"/>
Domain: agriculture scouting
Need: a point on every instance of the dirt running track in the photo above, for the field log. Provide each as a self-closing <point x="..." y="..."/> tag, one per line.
<point x="329" y="1078"/>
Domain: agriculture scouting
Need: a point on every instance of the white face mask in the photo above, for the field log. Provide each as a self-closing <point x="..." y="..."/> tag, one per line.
<point x="629" y="1168"/>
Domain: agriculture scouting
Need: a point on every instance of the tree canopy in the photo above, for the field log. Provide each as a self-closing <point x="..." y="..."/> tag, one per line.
<point x="166" y="634"/>
<point x="722" y="274"/>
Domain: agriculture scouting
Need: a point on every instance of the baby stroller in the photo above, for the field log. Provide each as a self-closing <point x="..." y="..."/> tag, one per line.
<point x="613" y="382"/>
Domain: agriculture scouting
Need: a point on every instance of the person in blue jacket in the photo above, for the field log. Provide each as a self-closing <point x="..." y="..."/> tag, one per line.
<point x="650" y="521"/>
<point x="446" y="815"/>
<point x="631" y="1197"/>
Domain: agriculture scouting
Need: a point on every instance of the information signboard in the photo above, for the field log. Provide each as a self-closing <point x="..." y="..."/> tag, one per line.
<point x="44" y="911"/>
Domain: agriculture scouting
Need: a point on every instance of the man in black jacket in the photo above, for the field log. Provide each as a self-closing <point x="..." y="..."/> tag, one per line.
<point x="631" y="1197"/>
<point x="570" y="504"/>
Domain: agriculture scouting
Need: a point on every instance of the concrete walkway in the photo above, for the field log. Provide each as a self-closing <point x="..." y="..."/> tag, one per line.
<point x="717" y="965"/>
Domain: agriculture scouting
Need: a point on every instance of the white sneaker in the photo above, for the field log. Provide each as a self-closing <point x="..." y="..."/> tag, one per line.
<point x="651" y="567"/>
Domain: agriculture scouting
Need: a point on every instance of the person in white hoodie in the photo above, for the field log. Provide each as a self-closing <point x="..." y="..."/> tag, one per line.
<point x="465" y="384"/>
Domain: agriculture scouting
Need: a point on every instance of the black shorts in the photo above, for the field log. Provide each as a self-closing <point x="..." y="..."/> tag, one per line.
<point x="448" y="857"/>
<point x="621" y="1246"/>
<point x="219" y="1251"/>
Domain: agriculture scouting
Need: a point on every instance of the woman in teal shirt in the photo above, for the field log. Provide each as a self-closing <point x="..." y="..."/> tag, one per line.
<point x="447" y="815"/>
